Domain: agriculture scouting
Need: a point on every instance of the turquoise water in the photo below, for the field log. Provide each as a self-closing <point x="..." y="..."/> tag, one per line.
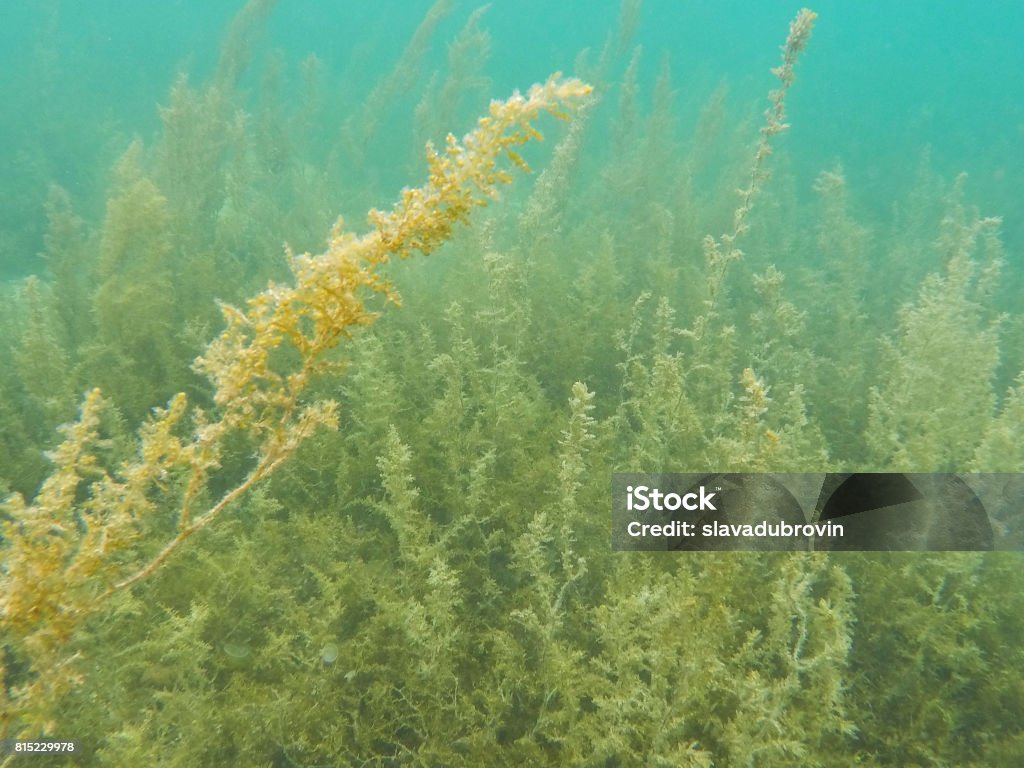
<point x="882" y="81"/>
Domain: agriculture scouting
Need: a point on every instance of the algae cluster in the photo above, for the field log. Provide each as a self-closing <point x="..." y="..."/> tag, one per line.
<point x="198" y="570"/>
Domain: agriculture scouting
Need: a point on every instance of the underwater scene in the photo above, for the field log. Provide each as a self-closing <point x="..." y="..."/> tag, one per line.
<point x="326" y="328"/>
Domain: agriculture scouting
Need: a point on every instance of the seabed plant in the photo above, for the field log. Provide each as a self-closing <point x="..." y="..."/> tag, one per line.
<point x="359" y="535"/>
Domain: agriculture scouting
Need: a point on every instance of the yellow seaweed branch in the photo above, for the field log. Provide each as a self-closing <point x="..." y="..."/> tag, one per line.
<point x="81" y="539"/>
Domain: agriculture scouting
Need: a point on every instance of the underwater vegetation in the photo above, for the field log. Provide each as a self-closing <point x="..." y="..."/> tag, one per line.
<point x="346" y="509"/>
